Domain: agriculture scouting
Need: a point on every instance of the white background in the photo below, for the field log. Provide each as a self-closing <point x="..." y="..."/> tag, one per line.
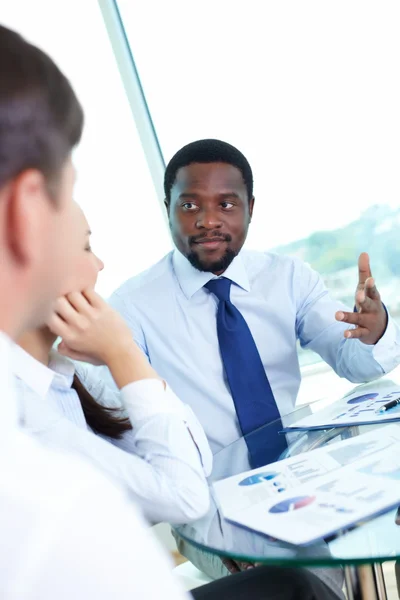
<point x="308" y="90"/>
<point x="114" y="185"/>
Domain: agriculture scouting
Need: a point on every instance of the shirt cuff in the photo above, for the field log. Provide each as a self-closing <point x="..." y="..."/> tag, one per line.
<point x="149" y="397"/>
<point x="199" y="439"/>
<point x="386" y="352"/>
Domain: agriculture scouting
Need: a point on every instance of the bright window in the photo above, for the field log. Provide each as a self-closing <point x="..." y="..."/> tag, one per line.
<point x="114" y="185"/>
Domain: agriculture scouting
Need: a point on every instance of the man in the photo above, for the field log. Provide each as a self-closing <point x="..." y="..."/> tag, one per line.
<point x="210" y="294"/>
<point x="65" y="531"/>
<point x="221" y="323"/>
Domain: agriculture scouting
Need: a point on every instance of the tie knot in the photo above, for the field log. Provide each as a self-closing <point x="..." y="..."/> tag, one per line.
<point x="220" y="287"/>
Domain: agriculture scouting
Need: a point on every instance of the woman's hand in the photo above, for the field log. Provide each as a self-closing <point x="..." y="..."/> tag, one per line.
<point x="93" y="332"/>
<point x="90" y="329"/>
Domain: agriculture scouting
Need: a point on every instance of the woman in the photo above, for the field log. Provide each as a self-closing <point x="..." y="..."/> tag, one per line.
<point x="143" y="437"/>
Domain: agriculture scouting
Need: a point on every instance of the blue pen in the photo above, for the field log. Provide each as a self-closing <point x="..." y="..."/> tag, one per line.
<point x="388" y="406"/>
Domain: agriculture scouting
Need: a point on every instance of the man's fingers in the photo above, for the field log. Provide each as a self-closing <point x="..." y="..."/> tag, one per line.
<point x="349" y="317"/>
<point x="357" y="333"/>
<point x="371" y="290"/>
<point x="367" y="296"/>
<point x="364" y="270"/>
<point x="244" y="566"/>
<point x="230" y="565"/>
<point x="364" y="302"/>
<point x="360" y="299"/>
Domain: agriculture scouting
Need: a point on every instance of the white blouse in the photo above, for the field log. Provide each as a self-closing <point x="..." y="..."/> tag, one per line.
<point x="65" y="531"/>
<point x="163" y="460"/>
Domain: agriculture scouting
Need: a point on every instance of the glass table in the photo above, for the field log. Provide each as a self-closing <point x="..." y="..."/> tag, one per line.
<point x="359" y="551"/>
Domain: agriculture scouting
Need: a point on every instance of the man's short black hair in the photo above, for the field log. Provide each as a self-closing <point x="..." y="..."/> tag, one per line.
<point x="207" y="151"/>
<point x="41" y="119"/>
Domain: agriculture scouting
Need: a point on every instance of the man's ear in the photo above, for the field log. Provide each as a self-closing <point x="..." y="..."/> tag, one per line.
<point x="167" y="205"/>
<point x="251" y="206"/>
<point x="25" y="219"/>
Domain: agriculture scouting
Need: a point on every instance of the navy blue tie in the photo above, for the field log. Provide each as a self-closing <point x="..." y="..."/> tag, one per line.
<point x="251" y="392"/>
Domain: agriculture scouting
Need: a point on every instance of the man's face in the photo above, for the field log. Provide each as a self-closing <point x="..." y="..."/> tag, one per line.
<point x="209" y="214"/>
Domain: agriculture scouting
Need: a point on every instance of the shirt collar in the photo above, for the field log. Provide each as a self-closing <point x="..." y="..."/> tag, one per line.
<point x="37" y="376"/>
<point x="191" y="280"/>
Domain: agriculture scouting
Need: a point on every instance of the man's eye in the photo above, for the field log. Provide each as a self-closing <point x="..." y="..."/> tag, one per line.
<point x="189" y="206"/>
<point x="226" y="204"/>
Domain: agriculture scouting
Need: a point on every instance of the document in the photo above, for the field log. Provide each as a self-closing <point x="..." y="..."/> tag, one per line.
<point x="359" y="408"/>
<point x="309" y="497"/>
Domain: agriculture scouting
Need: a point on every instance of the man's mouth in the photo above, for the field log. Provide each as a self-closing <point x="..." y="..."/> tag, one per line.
<point x="210" y="243"/>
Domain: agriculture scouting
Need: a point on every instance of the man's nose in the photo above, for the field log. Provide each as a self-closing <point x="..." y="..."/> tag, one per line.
<point x="208" y="219"/>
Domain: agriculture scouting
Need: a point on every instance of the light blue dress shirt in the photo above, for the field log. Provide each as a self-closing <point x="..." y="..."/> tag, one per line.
<point x="173" y="318"/>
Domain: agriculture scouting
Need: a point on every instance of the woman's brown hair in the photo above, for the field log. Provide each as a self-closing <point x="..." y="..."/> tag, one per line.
<point x="101" y="419"/>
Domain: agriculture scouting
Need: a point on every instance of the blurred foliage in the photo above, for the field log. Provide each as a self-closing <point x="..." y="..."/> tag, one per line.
<point x="377" y="232"/>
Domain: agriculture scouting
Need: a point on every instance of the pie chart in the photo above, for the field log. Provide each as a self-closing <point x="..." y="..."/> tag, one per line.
<point x="292" y="504"/>
<point x="362" y="398"/>
<point x="258" y="478"/>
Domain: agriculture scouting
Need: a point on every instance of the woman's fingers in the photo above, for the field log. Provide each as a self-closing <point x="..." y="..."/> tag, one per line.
<point x="93" y="298"/>
<point x="57" y="325"/>
<point x="79" y="303"/>
<point x="65" y="309"/>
